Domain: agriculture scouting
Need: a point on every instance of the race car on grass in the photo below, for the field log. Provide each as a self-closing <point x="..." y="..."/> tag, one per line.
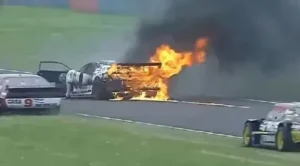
<point x="101" y="80"/>
<point x="24" y="93"/>
<point x="280" y="129"/>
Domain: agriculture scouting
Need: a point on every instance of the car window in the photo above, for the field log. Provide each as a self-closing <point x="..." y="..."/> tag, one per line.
<point x="53" y="67"/>
<point x="275" y="115"/>
<point x="81" y="70"/>
<point x="88" y="68"/>
<point x="24" y="81"/>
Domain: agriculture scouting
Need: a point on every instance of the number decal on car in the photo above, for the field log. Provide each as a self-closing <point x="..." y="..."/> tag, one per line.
<point x="28" y="102"/>
<point x="272" y="126"/>
<point x="83" y="89"/>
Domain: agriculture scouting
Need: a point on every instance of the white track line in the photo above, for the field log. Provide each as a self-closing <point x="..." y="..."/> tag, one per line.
<point x="189" y="102"/>
<point x="157" y="125"/>
<point x="261" y="101"/>
<point x="214" y="104"/>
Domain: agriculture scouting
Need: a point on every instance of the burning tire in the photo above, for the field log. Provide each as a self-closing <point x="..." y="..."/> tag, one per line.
<point x="99" y="90"/>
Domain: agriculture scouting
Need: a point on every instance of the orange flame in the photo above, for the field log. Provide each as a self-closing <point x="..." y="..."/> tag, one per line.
<point x="172" y="64"/>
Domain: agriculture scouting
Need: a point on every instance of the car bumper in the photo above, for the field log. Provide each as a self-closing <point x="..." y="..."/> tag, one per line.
<point x="30" y="103"/>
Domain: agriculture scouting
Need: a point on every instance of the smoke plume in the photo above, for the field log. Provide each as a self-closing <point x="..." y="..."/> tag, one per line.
<point x="254" y="41"/>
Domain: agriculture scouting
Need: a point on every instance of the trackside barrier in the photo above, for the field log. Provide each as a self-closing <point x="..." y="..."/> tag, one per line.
<point x="38" y="3"/>
<point x="140" y="8"/>
<point x="91" y="6"/>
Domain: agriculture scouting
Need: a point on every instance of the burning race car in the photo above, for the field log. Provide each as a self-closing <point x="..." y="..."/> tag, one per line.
<point x="103" y="80"/>
<point x="139" y="81"/>
<point x="24" y="92"/>
<point x="280" y="129"/>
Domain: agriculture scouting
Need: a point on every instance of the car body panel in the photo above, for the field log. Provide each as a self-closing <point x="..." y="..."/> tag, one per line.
<point x="29" y="103"/>
<point x="27" y="91"/>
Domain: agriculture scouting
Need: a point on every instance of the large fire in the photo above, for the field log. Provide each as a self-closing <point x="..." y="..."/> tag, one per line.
<point x="172" y="63"/>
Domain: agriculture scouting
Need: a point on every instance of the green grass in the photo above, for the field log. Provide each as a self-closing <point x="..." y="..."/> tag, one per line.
<point x="76" y="141"/>
<point x="28" y="35"/>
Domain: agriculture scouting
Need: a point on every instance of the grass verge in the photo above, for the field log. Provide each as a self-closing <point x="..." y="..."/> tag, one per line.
<point x="76" y="141"/>
<point x="29" y="34"/>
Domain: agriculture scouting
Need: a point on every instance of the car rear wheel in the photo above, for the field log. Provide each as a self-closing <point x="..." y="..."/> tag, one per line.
<point x="284" y="141"/>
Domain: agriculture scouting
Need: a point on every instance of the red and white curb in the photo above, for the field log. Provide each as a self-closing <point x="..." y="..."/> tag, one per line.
<point x="157" y="125"/>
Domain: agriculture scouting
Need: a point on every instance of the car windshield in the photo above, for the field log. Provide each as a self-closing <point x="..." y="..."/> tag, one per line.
<point x="29" y="81"/>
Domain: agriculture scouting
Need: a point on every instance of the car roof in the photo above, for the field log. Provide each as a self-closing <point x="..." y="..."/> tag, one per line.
<point x="105" y="62"/>
<point x="288" y="105"/>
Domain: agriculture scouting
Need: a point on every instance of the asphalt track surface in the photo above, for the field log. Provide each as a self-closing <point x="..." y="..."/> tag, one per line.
<point x="217" y="119"/>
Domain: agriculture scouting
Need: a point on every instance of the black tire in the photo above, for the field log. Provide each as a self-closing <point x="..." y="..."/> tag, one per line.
<point x="283" y="140"/>
<point x="249" y="127"/>
<point x="99" y="91"/>
<point x="247" y="134"/>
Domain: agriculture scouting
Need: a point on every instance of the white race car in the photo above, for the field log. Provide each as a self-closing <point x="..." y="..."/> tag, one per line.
<point x="92" y="80"/>
<point x="280" y="129"/>
<point x="26" y="93"/>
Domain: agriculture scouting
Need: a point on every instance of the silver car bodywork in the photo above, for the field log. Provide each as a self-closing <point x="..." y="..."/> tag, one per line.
<point x="27" y="91"/>
<point x="280" y="128"/>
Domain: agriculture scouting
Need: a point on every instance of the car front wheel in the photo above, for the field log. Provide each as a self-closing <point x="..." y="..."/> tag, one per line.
<point x="247" y="135"/>
<point x="284" y="141"/>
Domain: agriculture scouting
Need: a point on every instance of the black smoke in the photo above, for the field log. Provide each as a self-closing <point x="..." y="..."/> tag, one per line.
<point x="262" y="34"/>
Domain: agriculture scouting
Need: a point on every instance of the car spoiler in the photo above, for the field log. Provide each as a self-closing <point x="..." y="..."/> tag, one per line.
<point x="127" y="66"/>
<point x="34" y="92"/>
<point x="139" y="64"/>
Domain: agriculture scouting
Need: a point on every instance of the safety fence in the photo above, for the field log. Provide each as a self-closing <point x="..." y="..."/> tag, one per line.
<point x="122" y="7"/>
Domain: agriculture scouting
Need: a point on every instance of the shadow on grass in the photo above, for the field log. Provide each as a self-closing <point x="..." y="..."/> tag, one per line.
<point x="295" y="149"/>
<point x="33" y="112"/>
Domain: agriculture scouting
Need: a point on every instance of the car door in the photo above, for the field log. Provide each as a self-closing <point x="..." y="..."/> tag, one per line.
<point x="52" y="71"/>
<point x="84" y="85"/>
